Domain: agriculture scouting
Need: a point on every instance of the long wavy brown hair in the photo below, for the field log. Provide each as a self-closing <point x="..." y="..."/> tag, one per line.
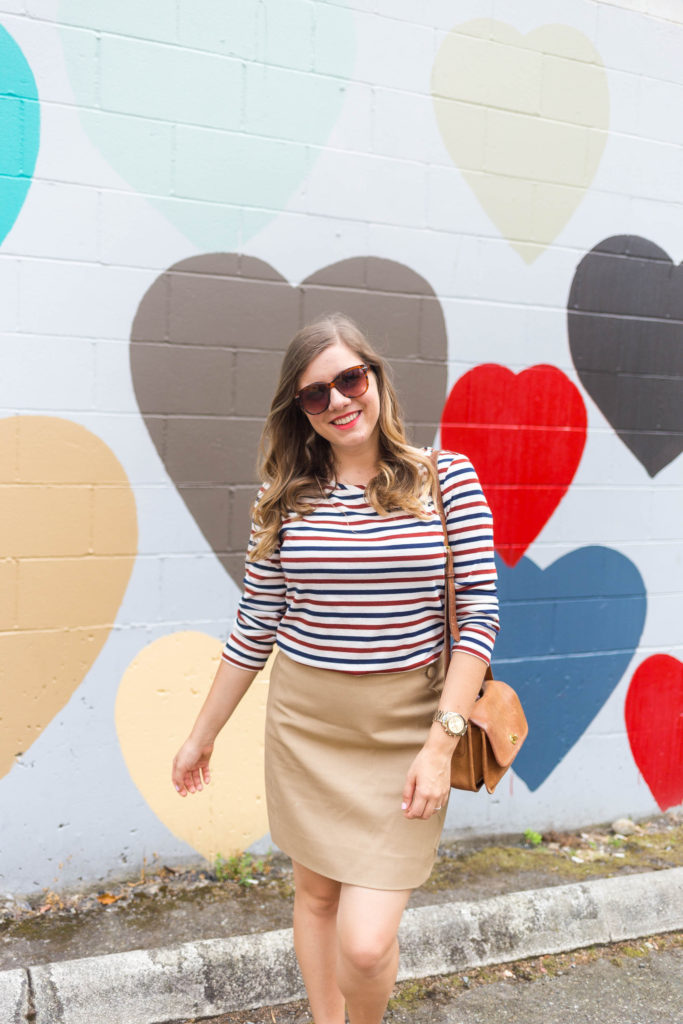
<point x="294" y="458"/>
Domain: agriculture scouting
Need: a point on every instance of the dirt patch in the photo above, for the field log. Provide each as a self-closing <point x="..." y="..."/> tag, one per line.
<point x="494" y="868"/>
<point x="245" y="895"/>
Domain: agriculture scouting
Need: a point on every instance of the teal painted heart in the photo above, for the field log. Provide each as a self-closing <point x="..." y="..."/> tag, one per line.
<point x="19" y="130"/>
<point x="216" y="112"/>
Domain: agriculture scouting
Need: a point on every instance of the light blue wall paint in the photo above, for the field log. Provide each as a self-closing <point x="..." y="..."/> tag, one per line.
<point x="19" y="130"/>
<point x="186" y="112"/>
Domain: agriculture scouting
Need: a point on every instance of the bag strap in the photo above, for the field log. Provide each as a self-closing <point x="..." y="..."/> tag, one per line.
<point x="451" y="629"/>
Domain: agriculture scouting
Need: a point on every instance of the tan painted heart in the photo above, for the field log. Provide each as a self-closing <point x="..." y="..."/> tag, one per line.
<point x="69" y="535"/>
<point x="157" y="703"/>
<point x="525" y="118"/>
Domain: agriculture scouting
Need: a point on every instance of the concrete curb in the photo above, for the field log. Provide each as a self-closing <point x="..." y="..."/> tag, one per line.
<point x="213" y="976"/>
<point x="14" y="1002"/>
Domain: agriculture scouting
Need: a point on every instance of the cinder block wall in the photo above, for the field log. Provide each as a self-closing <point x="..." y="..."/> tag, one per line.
<point x="495" y="195"/>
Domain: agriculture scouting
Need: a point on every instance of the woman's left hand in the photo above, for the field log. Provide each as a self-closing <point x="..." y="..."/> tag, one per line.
<point x="428" y="783"/>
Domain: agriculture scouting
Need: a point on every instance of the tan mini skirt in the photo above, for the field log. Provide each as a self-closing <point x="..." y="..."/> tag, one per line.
<point x="338" y="747"/>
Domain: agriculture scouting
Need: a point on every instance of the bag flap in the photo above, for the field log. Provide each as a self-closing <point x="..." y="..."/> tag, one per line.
<point x="500" y="714"/>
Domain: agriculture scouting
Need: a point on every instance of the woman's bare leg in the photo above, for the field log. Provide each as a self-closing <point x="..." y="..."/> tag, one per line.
<point x="316" y="901"/>
<point x="367" y="924"/>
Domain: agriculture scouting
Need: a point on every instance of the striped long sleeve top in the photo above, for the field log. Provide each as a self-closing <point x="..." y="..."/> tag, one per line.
<point x="352" y="590"/>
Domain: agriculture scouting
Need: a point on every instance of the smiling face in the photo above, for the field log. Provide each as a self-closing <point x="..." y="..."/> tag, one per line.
<point x="349" y="424"/>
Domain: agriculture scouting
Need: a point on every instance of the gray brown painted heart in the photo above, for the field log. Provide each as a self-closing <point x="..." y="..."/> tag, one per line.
<point x="206" y="346"/>
<point x="625" y="322"/>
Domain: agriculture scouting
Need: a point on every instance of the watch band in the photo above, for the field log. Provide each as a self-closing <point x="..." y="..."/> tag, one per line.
<point x="444" y="717"/>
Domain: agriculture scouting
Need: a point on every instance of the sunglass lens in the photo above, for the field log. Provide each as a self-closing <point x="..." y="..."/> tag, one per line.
<point x="354" y="382"/>
<point x="315" y="399"/>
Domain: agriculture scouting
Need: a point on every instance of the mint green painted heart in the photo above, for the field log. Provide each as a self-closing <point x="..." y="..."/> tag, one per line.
<point x="215" y="111"/>
<point x="19" y="130"/>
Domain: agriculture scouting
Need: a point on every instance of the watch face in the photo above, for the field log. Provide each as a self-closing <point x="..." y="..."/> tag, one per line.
<point x="455" y="723"/>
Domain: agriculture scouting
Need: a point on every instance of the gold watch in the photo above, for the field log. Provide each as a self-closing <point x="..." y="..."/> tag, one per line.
<point x="454" y="724"/>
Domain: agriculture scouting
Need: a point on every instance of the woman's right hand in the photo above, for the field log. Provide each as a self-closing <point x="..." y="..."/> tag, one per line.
<point x="191" y="767"/>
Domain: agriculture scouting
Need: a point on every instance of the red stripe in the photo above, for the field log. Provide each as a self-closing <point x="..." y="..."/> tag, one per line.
<point x="468" y="504"/>
<point x="317" y="581"/>
<point x="296" y="642"/>
<point x="356" y="519"/>
<point x="373" y="627"/>
<point x="245" y="646"/>
<point x="476" y="629"/>
<point x="313" y="538"/>
<point x="388" y="558"/>
<point x="367" y="604"/>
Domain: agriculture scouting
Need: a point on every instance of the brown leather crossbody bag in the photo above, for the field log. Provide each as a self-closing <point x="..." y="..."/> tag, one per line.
<point x="497" y="725"/>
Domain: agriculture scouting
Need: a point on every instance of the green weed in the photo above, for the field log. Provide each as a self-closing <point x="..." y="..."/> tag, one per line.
<point x="239" y="868"/>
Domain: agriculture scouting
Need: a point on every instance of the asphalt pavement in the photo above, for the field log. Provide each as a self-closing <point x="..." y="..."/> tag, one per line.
<point x="646" y="990"/>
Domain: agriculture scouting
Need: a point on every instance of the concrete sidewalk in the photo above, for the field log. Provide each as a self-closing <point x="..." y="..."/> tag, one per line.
<point x="210" y="977"/>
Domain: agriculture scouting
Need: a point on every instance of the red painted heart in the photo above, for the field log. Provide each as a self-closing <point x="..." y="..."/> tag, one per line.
<point x="525" y="435"/>
<point x="654" y="723"/>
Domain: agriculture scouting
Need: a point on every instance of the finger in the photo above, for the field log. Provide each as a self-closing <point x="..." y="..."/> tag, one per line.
<point x="206" y="774"/>
<point x="408" y="792"/>
<point x="427" y="810"/>
<point x="177" y="779"/>
<point x="416" y="809"/>
<point x="178" y="785"/>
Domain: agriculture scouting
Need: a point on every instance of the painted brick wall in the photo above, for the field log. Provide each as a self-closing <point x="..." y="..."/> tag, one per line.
<point x="494" y="194"/>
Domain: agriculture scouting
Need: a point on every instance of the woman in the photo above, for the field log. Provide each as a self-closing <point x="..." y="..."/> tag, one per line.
<point x="345" y="570"/>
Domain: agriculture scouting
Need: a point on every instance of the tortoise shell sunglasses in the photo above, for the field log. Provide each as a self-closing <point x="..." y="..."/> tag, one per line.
<point x="352" y="383"/>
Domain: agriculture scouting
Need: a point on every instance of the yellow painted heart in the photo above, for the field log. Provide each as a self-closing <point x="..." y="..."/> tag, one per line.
<point x="69" y="538"/>
<point x="525" y="118"/>
<point x="158" y="700"/>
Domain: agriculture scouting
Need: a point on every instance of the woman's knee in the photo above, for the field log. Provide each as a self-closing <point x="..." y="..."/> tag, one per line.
<point x="321" y="904"/>
<point x="365" y="952"/>
<point x="317" y="894"/>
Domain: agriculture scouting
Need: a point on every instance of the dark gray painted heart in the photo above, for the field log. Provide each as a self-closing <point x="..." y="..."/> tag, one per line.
<point x="625" y="322"/>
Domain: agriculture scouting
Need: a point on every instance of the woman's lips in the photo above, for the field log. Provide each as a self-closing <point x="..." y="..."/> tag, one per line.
<point x="350" y="423"/>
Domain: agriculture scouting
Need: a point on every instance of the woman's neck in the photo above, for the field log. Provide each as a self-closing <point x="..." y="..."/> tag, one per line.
<point x="357" y="468"/>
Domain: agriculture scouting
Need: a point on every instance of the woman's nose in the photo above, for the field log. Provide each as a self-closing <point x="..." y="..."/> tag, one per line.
<point x="337" y="400"/>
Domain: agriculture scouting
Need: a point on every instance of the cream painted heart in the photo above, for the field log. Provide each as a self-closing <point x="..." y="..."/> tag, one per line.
<point x="159" y="697"/>
<point x="525" y="118"/>
<point x="69" y="538"/>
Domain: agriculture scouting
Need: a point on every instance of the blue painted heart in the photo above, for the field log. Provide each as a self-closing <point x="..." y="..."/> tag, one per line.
<point x="19" y="130"/>
<point x="567" y="636"/>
